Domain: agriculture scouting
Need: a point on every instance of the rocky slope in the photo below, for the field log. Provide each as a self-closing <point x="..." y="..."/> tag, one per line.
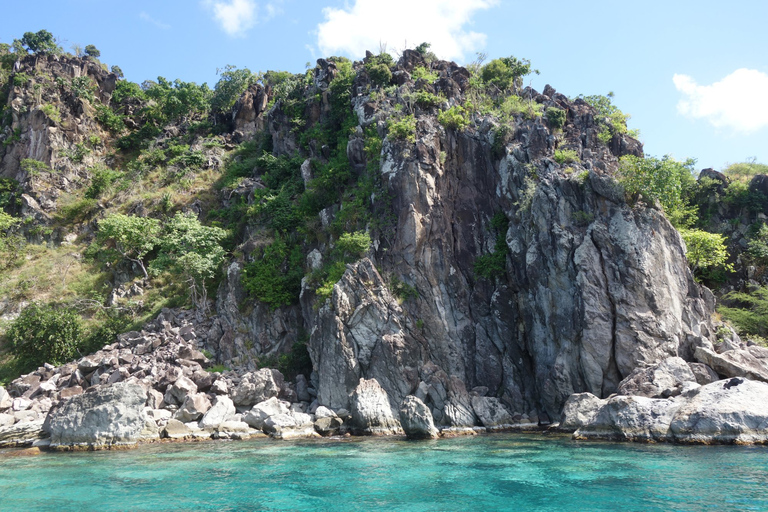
<point x="502" y="278"/>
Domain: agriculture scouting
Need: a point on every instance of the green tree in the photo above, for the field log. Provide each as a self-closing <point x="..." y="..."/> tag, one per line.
<point x="507" y="72"/>
<point x="705" y="250"/>
<point x="45" y="334"/>
<point x="192" y="251"/>
<point x="40" y="42"/>
<point x="232" y="83"/>
<point x="117" y="71"/>
<point x="131" y="236"/>
<point x="92" y="51"/>
<point x="665" y="180"/>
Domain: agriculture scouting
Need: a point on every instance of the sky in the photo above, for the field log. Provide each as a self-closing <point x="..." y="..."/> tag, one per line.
<point x="692" y="74"/>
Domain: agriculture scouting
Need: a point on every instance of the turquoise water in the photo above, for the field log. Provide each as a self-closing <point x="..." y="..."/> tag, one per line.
<point x="494" y="472"/>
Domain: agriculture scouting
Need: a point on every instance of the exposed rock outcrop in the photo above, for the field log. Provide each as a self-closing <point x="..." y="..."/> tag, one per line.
<point x="416" y="419"/>
<point x="371" y="411"/>
<point x="110" y="416"/>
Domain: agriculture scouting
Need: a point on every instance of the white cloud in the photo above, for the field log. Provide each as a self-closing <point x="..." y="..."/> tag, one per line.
<point x="397" y="23"/>
<point x="234" y="16"/>
<point x="739" y="101"/>
<point x="159" y="24"/>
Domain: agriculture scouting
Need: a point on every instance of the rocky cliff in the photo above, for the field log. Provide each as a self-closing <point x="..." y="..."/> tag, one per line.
<point x="506" y="268"/>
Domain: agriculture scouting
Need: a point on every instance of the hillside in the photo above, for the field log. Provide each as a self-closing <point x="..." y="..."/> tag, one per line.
<point x="443" y="230"/>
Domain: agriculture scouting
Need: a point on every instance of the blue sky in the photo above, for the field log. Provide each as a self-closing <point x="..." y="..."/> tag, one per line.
<point x="693" y="74"/>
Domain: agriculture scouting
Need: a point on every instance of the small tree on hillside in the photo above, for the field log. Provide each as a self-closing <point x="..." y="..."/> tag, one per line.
<point x="40" y="42"/>
<point x="92" y="51"/>
<point x="192" y="251"/>
<point x="131" y="236"/>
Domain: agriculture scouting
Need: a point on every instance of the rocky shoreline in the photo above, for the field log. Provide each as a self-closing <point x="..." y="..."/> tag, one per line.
<point x="153" y="385"/>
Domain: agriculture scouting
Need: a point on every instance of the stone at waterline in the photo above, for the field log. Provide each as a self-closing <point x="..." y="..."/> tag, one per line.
<point x="416" y="419"/>
<point x="371" y="412"/>
<point x="328" y="425"/>
<point x="104" y="417"/>
<point x="660" y="380"/>
<point x="21" y="434"/>
<point x="263" y="410"/>
<point x="493" y="415"/>
<point x="579" y="410"/>
<point x="292" y="425"/>
<point x="257" y="386"/>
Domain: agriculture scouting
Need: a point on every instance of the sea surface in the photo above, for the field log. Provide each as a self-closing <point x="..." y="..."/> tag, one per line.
<point x="486" y="473"/>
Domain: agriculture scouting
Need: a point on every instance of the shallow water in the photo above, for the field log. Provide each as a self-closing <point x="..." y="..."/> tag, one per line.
<point x="494" y="472"/>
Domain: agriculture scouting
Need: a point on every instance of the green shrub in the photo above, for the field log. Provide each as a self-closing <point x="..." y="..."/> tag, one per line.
<point x="402" y="290"/>
<point x="353" y="245"/>
<point x="83" y="87"/>
<point x="33" y="167"/>
<point x="705" y="250"/>
<point x="747" y="311"/>
<point x="274" y="277"/>
<point x="423" y="73"/>
<point x="113" y="122"/>
<point x="403" y="129"/>
<point x="101" y="179"/>
<point x="563" y="156"/>
<point x="295" y="362"/>
<point x="231" y="85"/>
<point x="45" y="334"/>
<point x="507" y="72"/>
<point x="455" y="118"/>
<point x="582" y="218"/>
<point x="494" y="264"/>
<point x="515" y="105"/>
<point x="745" y="171"/>
<point x="556" y="117"/>
<point x="52" y="112"/>
<point x="20" y="79"/>
<point x="427" y="99"/>
<point x="739" y="195"/>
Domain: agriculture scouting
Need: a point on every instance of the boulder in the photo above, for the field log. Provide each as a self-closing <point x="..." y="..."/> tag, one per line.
<point x="631" y="418"/>
<point x="704" y="374"/>
<point x="579" y="410"/>
<point x="661" y="380"/>
<point x="5" y="399"/>
<point x="324" y="412"/>
<point x="416" y="419"/>
<point x="179" y="390"/>
<point x="328" y="425"/>
<point x="371" y="412"/>
<point x="290" y="426"/>
<point x="109" y="416"/>
<point x="222" y="408"/>
<point x="726" y="411"/>
<point x="6" y="420"/>
<point x="751" y="363"/>
<point x="74" y="391"/>
<point x="257" y="386"/>
<point x="492" y="414"/>
<point x="21" y="434"/>
<point x="302" y="389"/>
<point x="193" y="408"/>
<point x="175" y="429"/>
<point x="263" y="410"/>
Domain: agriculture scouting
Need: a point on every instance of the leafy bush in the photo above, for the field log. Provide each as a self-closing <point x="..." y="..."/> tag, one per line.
<point x="112" y="121"/>
<point x="427" y="99"/>
<point x="665" y="180"/>
<point x="494" y="264"/>
<point x="353" y="245"/>
<point x="424" y="73"/>
<point x="745" y="171"/>
<point x="274" y="277"/>
<point x="131" y="236"/>
<point x="52" y="112"/>
<point x="455" y="118"/>
<point x="83" y="87"/>
<point x="20" y="79"/>
<point x="231" y="85"/>
<point x="556" y="117"/>
<point x="705" y="250"/>
<point x="33" y="167"/>
<point x="403" y="129"/>
<point x="101" y="179"/>
<point x="45" y="334"/>
<point x="739" y="195"/>
<point x="747" y="311"/>
<point x="563" y="156"/>
<point x="507" y="72"/>
<point x="515" y="105"/>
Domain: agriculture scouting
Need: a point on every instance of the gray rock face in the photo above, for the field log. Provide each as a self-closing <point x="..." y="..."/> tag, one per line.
<point x="21" y="434"/>
<point x="371" y="412"/>
<point x="5" y="399"/>
<point x="661" y="380"/>
<point x="257" y="386"/>
<point x="416" y="419"/>
<point x="492" y="414"/>
<point x="579" y="410"/>
<point x="751" y="363"/>
<point x="726" y="411"/>
<point x="112" y="415"/>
